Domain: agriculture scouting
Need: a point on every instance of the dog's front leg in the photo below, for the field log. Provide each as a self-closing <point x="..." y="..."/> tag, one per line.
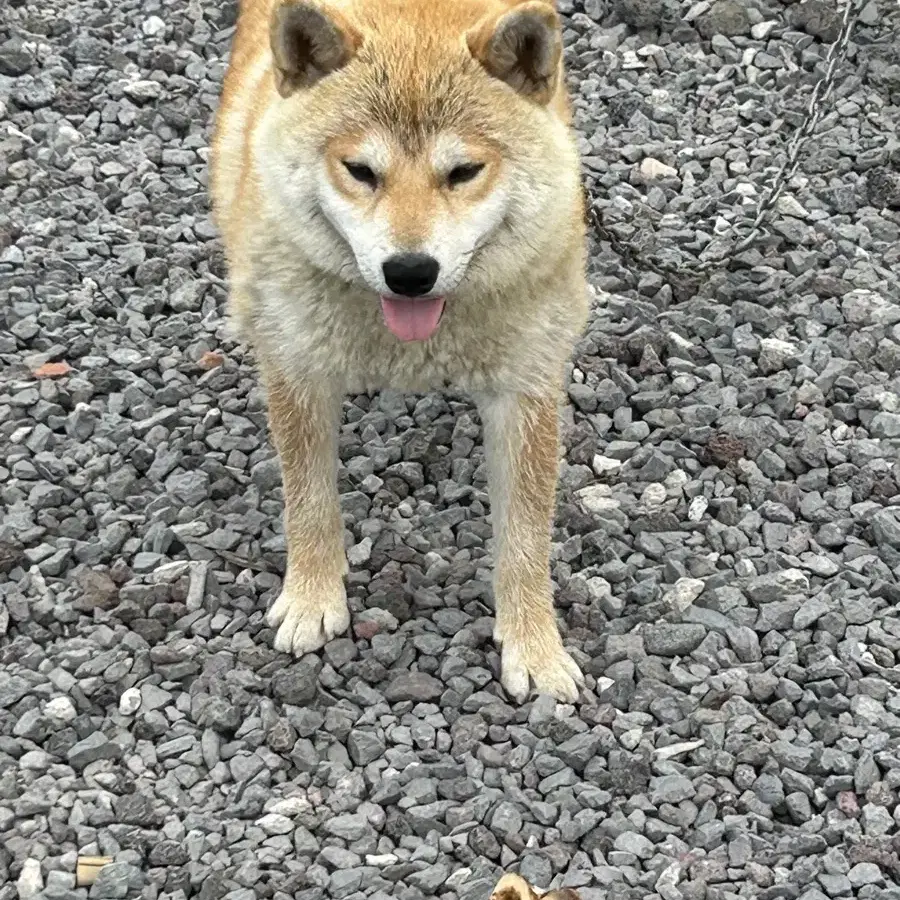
<point x="522" y="440"/>
<point x="312" y="606"/>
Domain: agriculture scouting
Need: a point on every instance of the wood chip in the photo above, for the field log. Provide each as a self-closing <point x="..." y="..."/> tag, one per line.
<point x="87" y="868"/>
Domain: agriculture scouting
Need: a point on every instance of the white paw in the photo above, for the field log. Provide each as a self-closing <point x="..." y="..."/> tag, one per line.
<point x="546" y="665"/>
<point x="308" y="617"/>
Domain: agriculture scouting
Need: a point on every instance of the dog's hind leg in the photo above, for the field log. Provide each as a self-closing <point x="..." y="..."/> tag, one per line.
<point x="312" y="606"/>
<point x="522" y="441"/>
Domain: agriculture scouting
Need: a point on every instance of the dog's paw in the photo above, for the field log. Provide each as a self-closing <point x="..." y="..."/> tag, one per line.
<point x="307" y="617"/>
<point x="544" y="664"/>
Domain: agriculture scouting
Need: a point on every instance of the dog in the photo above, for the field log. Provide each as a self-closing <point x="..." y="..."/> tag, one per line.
<point x="515" y="887"/>
<point x="400" y="199"/>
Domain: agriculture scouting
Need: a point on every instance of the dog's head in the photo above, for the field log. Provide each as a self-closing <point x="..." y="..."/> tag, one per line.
<point x="515" y="887"/>
<point x="413" y="138"/>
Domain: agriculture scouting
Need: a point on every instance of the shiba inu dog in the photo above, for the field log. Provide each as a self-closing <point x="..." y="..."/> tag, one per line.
<point x="515" y="887"/>
<point x="399" y="195"/>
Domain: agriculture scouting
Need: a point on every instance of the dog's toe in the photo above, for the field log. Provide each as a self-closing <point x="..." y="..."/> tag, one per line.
<point x="551" y="671"/>
<point x="307" y="619"/>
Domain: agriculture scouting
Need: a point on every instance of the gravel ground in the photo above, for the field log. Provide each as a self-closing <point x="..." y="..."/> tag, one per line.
<point x="727" y="543"/>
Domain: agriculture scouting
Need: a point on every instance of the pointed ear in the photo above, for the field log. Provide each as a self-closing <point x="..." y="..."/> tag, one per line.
<point x="522" y="47"/>
<point x="562" y="894"/>
<point x="513" y="887"/>
<point x="309" y="42"/>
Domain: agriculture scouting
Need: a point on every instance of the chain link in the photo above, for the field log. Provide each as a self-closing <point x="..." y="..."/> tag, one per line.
<point x="815" y="108"/>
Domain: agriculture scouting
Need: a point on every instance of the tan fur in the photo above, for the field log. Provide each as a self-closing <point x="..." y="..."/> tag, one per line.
<point x="515" y="887"/>
<point x="406" y="77"/>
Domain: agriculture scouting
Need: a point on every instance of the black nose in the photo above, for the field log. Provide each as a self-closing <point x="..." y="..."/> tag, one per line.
<point x="410" y="274"/>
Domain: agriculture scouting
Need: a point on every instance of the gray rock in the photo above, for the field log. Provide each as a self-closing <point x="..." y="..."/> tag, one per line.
<point x="640" y="13"/>
<point x="348" y="827"/>
<point x="579" y="750"/>
<point x="818" y="17"/>
<point x="297" y="684"/>
<point x="886" y="527"/>
<point x="671" y="789"/>
<point x="191" y="488"/>
<point x="14" y="58"/>
<point x="116" y="881"/>
<point x="364" y="747"/>
<point x="635" y="844"/>
<point x="665" y="639"/>
<point x="416" y="686"/>
<point x="94" y="747"/>
<point x="725" y="17"/>
<point x="777" y="586"/>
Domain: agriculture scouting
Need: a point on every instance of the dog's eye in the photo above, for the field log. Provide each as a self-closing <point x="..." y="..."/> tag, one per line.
<point x="462" y="174"/>
<point x="362" y="173"/>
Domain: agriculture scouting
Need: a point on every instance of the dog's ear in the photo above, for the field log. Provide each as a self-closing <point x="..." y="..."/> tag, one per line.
<point x="562" y="894"/>
<point x="513" y="887"/>
<point x="522" y="47"/>
<point x="309" y="41"/>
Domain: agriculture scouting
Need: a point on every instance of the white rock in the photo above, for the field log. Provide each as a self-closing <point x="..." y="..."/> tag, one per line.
<point x="36" y="760"/>
<point x="864" y="307"/>
<point x="603" y="688"/>
<point x="599" y="588"/>
<point x="668" y="878"/>
<point x="604" y="465"/>
<point x="681" y="342"/>
<point x="143" y="90"/>
<point x="653" y="495"/>
<point x="595" y="499"/>
<point x="459" y="877"/>
<point x="169" y="572"/>
<point x="197" y="585"/>
<point x="382" y="859"/>
<point x="674" y="750"/>
<point x="130" y="702"/>
<point x="697" y="10"/>
<point x="30" y="882"/>
<point x="290" y="806"/>
<point x="67" y="135"/>
<point x="153" y="26"/>
<point x="761" y="30"/>
<point x="697" y="508"/>
<point x="60" y="709"/>
<point x="360" y="553"/>
<point x="684" y="384"/>
<point x="273" y="823"/>
<point x="776" y="347"/>
<point x="790" y="206"/>
<point x="683" y="593"/>
<point x="653" y="168"/>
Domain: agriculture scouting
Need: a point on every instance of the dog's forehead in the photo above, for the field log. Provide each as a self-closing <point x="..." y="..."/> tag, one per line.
<point x="421" y="107"/>
<point x="416" y="81"/>
<point x="416" y="103"/>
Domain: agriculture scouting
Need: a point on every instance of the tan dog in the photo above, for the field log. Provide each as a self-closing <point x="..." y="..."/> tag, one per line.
<point x="515" y="887"/>
<point x="400" y="199"/>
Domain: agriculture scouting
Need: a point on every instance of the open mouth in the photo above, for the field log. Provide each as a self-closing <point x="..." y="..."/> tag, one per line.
<point x="412" y="320"/>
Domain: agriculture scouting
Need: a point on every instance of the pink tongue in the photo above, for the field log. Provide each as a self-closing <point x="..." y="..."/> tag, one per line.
<point x="412" y="320"/>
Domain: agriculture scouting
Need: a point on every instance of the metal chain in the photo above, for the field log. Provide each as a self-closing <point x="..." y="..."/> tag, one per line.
<point x="815" y="108"/>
